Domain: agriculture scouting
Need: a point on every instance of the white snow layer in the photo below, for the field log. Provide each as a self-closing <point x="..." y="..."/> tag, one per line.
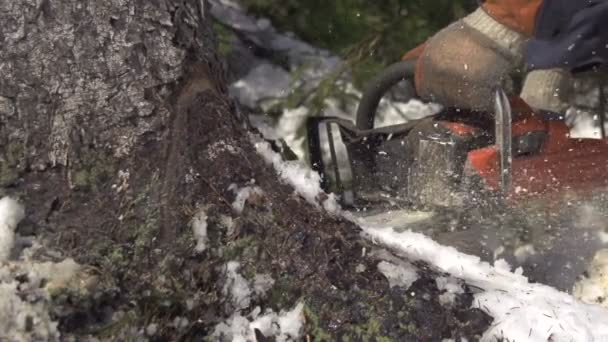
<point x="521" y="311"/>
<point x="284" y="326"/>
<point x="305" y="181"/>
<point x="11" y="213"/>
<point x="199" y="230"/>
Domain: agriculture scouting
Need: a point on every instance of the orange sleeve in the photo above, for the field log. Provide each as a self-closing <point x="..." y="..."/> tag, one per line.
<point x="519" y="15"/>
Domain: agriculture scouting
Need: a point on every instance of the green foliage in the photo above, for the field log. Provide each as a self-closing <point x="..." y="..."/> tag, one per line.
<point x="225" y="38"/>
<point x="369" y="34"/>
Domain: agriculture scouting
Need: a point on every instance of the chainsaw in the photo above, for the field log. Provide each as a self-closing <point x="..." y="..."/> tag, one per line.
<point x="453" y="158"/>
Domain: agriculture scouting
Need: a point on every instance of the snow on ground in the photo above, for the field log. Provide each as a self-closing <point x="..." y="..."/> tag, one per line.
<point x="242" y="195"/>
<point x="401" y="274"/>
<point x="241" y="290"/>
<point x="199" y="230"/>
<point x="451" y="287"/>
<point x="283" y="326"/>
<point x="521" y="311"/>
<point x="236" y="286"/>
<point x="305" y="181"/>
<point x="25" y="284"/>
<point x="11" y="213"/>
<point x="265" y="82"/>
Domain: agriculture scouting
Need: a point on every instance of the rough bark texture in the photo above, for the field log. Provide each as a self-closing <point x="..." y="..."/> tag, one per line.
<point x="114" y="123"/>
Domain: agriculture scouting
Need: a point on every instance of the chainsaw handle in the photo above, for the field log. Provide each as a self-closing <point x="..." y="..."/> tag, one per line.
<point x="378" y="86"/>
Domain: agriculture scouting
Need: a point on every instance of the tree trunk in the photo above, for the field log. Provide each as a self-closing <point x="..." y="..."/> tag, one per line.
<point x="116" y="129"/>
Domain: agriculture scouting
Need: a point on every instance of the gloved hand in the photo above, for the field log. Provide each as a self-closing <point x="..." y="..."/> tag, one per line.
<point x="570" y="36"/>
<point x="462" y="64"/>
<point x="549" y="90"/>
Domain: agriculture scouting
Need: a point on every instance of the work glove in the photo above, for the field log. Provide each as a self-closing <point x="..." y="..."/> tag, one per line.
<point x="548" y="90"/>
<point x="464" y="63"/>
<point x="568" y="58"/>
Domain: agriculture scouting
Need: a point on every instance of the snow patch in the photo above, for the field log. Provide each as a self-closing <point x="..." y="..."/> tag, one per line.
<point x="284" y="326"/>
<point x="18" y="315"/>
<point x="25" y="304"/>
<point x="199" y="229"/>
<point x="450" y="288"/>
<point x="228" y="223"/>
<point x="262" y="283"/>
<point x="11" y="213"/>
<point x="236" y="286"/>
<point x="521" y="311"/>
<point x="403" y="274"/>
<point x="449" y="284"/>
<point x="305" y="181"/>
<point x="242" y="195"/>
<point x="241" y="290"/>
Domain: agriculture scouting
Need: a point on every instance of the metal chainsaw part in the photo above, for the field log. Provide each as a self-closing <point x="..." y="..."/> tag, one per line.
<point x="503" y="117"/>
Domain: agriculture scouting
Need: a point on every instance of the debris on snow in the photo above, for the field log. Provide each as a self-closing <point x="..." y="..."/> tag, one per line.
<point x="284" y="326"/>
<point x="236" y="286"/>
<point x="403" y="274"/>
<point x="199" y="229"/>
<point x="521" y="311"/>
<point x="11" y="213"/>
<point x="242" y="195"/>
<point x="305" y="181"/>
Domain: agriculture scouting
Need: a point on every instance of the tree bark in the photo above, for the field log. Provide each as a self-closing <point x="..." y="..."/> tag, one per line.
<point x="115" y="129"/>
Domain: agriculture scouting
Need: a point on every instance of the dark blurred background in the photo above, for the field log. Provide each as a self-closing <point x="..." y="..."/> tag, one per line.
<point x="369" y="34"/>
